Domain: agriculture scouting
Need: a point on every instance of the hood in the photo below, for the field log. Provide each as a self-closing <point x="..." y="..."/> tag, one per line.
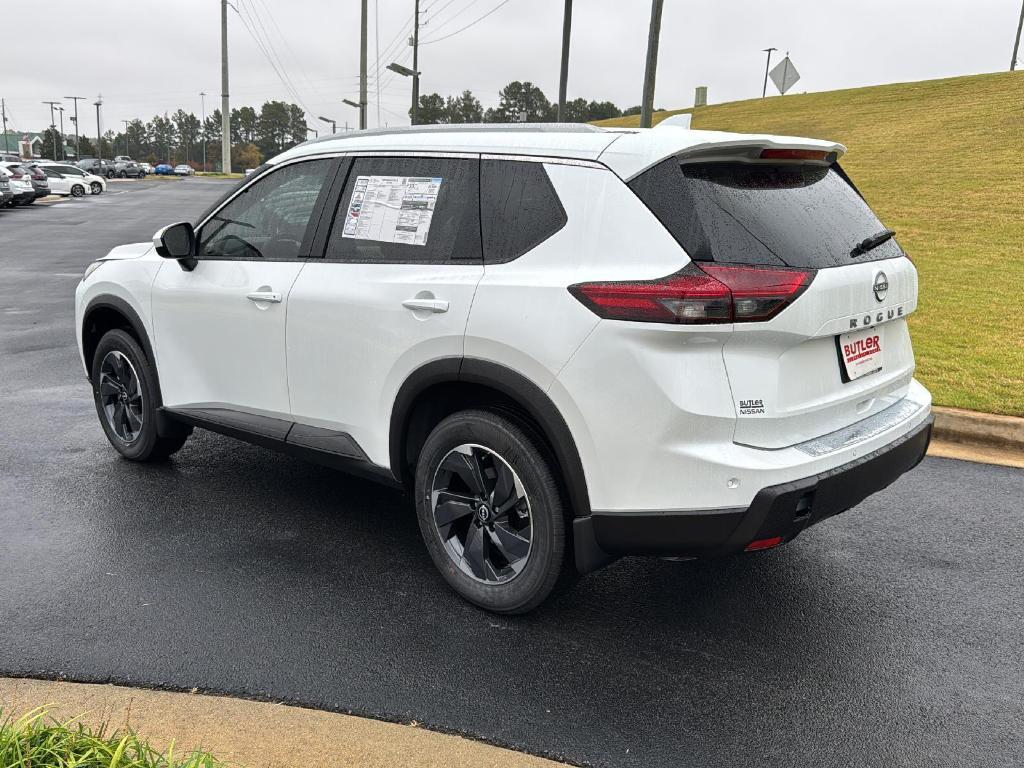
<point x="129" y="251"/>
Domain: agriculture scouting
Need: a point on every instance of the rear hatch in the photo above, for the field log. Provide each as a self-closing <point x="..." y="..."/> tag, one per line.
<point x="837" y="349"/>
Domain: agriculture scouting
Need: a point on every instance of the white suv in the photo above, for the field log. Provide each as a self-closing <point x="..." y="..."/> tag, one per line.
<point x="570" y="343"/>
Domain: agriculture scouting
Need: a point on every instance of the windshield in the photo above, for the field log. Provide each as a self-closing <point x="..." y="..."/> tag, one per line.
<point x="796" y="215"/>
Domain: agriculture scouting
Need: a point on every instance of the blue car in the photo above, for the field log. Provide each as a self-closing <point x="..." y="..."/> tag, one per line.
<point x="164" y="170"/>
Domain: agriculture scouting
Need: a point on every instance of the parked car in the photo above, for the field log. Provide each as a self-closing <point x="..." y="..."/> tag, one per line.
<point x="184" y="170"/>
<point x="163" y="169"/>
<point x="584" y="344"/>
<point x="128" y="169"/>
<point x="11" y="157"/>
<point x="122" y="159"/>
<point x="6" y="193"/>
<point x="64" y="185"/>
<point x="96" y="184"/>
<point x="21" y="183"/>
<point x="97" y="167"/>
<point x="146" y="167"/>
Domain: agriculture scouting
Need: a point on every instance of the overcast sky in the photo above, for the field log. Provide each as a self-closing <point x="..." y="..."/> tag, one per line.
<point x="148" y="57"/>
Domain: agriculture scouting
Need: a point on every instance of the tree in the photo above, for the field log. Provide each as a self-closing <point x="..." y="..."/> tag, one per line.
<point x="51" y="139"/>
<point x="246" y="156"/>
<point x="431" y="109"/>
<point x="297" y="127"/>
<point x="517" y="98"/>
<point x="162" y="135"/>
<point x="85" y="146"/>
<point x="602" y="110"/>
<point x="273" y="128"/>
<point x="244" y="125"/>
<point x="464" y="109"/>
<point x="187" y="125"/>
<point x="576" y="111"/>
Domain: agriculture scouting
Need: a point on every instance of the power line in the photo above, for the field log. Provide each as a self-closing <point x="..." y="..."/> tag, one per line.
<point x="472" y="23"/>
<point x="454" y="16"/>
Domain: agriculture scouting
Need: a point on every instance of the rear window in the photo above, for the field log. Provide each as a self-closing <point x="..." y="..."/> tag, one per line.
<point x="806" y="216"/>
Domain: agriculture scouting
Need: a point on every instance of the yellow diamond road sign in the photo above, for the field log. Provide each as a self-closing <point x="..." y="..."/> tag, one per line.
<point x="784" y="75"/>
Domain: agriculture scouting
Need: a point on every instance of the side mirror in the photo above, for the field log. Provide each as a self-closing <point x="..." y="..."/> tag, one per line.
<point x="177" y="241"/>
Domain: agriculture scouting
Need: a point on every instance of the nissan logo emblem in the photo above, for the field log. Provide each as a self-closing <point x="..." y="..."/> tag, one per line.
<point x="881" y="286"/>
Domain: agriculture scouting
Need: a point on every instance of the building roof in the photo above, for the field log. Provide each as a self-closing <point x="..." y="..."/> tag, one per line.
<point x="627" y="152"/>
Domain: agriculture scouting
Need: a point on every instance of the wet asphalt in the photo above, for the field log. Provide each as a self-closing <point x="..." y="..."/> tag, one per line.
<point x="890" y="636"/>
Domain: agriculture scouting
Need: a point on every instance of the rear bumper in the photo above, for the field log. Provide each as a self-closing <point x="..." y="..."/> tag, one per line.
<point x="782" y="510"/>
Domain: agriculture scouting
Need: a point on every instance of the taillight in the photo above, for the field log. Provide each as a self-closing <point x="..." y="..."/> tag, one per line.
<point x="798" y="154"/>
<point x="711" y="293"/>
<point x="16" y="174"/>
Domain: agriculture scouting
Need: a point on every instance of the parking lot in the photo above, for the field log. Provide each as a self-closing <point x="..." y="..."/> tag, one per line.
<point x="890" y="636"/>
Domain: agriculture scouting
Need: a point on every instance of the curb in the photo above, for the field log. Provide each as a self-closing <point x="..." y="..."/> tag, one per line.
<point x="243" y="732"/>
<point x="984" y="430"/>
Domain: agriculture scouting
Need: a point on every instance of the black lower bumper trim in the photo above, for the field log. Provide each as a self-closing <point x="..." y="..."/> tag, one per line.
<point x="779" y="510"/>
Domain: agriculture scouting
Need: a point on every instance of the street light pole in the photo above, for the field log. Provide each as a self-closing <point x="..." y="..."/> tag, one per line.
<point x="362" y="69"/>
<point x="225" y="106"/>
<point x="63" y="154"/>
<point x="1016" y="42"/>
<point x="127" y="150"/>
<point x="416" y="65"/>
<point x="650" y="74"/>
<point x="334" y="124"/>
<point x="78" y="135"/>
<point x="563" y="80"/>
<point x="202" y="97"/>
<point x="99" y="136"/>
<point x="764" y="90"/>
<point x="53" y="128"/>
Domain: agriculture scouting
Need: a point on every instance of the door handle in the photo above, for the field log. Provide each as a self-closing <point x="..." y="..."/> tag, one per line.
<point x="270" y="297"/>
<point x="426" y="305"/>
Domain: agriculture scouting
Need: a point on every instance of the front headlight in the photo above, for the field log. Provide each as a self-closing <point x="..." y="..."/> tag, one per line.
<point x="90" y="269"/>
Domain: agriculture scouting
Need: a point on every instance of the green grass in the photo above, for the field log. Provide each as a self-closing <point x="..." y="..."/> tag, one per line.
<point x="37" y="741"/>
<point x="942" y="162"/>
<point x="217" y="175"/>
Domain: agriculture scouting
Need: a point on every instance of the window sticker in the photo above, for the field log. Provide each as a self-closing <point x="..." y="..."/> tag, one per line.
<point x="392" y="209"/>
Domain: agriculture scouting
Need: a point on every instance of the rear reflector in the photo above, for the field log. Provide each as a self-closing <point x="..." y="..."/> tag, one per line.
<point x="757" y="544"/>
<point x="711" y="293"/>
<point x="797" y="154"/>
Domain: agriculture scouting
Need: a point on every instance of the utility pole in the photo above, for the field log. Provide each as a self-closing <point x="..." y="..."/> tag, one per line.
<point x="99" y="136"/>
<point x="647" y="105"/>
<point x="63" y="154"/>
<point x="78" y="136"/>
<point x="3" y="114"/>
<point x="563" y="79"/>
<point x="416" y="64"/>
<point x="202" y="97"/>
<point x="53" y="127"/>
<point x="225" y="106"/>
<point x="362" y="68"/>
<point x="764" y="90"/>
<point x="127" y="151"/>
<point x="1016" y="44"/>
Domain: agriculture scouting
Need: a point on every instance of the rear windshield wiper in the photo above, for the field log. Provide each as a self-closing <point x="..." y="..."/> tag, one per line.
<point x="868" y="243"/>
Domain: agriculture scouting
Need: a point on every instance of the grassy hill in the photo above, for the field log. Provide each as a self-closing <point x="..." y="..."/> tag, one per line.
<point x="942" y="162"/>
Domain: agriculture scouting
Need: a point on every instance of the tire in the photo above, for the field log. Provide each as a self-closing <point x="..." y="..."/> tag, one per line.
<point x="30" y="201"/>
<point x="517" y="549"/>
<point x="77" y="190"/>
<point x="122" y="175"/>
<point x="95" y="188"/>
<point x="132" y="427"/>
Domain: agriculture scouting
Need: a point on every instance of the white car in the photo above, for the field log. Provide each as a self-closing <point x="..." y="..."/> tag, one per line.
<point x="569" y="344"/>
<point x="146" y="167"/>
<point x="184" y="170"/>
<point x="95" y="185"/>
<point x="20" y="183"/>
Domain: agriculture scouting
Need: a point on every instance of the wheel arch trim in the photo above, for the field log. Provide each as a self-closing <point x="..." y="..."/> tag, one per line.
<point x="122" y="307"/>
<point x="512" y="384"/>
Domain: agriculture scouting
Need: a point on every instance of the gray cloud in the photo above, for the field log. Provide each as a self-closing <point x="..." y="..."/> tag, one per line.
<point x="148" y="56"/>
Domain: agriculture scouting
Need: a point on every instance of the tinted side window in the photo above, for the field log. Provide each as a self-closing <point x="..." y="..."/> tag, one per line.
<point x="519" y="209"/>
<point x="269" y="218"/>
<point x="408" y="210"/>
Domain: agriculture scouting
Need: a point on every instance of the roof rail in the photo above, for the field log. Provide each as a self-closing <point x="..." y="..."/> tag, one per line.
<point x="462" y="128"/>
